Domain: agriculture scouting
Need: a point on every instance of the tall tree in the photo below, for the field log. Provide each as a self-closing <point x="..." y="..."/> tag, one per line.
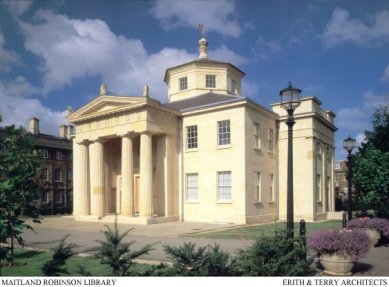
<point x="371" y="166"/>
<point x="20" y="192"/>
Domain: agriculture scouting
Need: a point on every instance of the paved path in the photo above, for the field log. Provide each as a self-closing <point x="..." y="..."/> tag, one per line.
<point x="85" y="234"/>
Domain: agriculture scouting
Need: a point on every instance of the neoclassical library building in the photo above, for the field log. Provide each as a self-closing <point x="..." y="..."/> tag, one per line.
<point x="208" y="154"/>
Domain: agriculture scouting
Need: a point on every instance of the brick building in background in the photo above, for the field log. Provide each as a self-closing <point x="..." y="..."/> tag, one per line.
<point x="57" y="175"/>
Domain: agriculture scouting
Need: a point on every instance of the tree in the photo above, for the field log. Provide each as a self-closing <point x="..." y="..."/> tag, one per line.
<point x="371" y="179"/>
<point x="55" y="266"/>
<point x="378" y="138"/>
<point x="20" y="192"/>
<point x="371" y="166"/>
<point x="117" y="254"/>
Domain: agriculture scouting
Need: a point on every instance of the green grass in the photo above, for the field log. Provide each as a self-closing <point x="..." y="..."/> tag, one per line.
<point x="254" y="231"/>
<point x="29" y="263"/>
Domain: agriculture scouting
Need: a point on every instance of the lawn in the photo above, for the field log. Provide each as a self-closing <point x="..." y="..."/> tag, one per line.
<point x="29" y="263"/>
<point x="254" y="231"/>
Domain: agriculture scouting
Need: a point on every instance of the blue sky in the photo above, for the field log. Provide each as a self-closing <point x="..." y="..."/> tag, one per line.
<point x="57" y="53"/>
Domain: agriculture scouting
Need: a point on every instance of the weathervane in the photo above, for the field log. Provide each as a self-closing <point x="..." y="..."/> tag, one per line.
<point x="202" y="30"/>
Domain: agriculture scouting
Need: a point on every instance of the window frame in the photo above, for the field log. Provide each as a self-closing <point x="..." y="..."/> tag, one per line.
<point x="224" y="133"/>
<point x="224" y="186"/>
<point x="190" y="188"/>
<point x="257" y="138"/>
<point x="210" y="81"/>
<point x="270" y="139"/>
<point x="183" y="83"/>
<point x="58" y="171"/>
<point x="258" y="187"/>
<point x="192" y="137"/>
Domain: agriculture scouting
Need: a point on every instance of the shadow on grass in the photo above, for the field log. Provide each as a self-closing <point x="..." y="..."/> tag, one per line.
<point x="27" y="254"/>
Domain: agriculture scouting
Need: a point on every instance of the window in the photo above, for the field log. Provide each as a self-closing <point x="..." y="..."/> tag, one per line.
<point x="45" y="196"/>
<point x="271" y="189"/>
<point x="336" y="178"/>
<point x="233" y="86"/>
<point x="58" y="154"/>
<point x="318" y="148"/>
<point x="337" y="165"/>
<point x="192" y="187"/>
<point x="191" y="137"/>
<point x="45" y="153"/>
<point x="210" y="81"/>
<point x="270" y="139"/>
<point x="224" y="133"/>
<point x="224" y="185"/>
<point x="45" y="174"/>
<point x="318" y="187"/>
<point x="58" y="175"/>
<point x="69" y="175"/>
<point x="257" y="187"/>
<point x="183" y="83"/>
<point x="257" y="140"/>
<point x="58" y="197"/>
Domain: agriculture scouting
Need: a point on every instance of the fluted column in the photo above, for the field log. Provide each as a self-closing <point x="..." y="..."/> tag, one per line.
<point x="80" y="179"/>
<point x="96" y="155"/>
<point x="127" y="176"/>
<point x="146" y="175"/>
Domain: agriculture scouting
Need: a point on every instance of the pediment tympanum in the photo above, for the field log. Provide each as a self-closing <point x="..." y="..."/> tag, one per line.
<point x="104" y="105"/>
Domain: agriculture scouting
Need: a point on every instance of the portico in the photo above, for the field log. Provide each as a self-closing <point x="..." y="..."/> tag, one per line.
<point x="125" y="160"/>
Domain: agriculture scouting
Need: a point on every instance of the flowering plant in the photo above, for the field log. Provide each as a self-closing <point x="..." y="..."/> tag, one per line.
<point x="344" y="242"/>
<point x="381" y="224"/>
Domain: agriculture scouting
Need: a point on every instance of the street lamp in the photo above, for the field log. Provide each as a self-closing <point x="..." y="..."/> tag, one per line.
<point x="290" y="100"/>
<point x="349" y="144"/>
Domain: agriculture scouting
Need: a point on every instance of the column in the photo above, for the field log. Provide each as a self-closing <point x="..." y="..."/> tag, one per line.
<point x="80" y="179"/>
<point x="96" y="156"/>
<point x="127" y="176"/>
<point x="146" y="175"/>
<point x="167" y="175"/>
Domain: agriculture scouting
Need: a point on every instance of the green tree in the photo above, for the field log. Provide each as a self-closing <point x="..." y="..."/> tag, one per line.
<point x="371" y="166"/>
<point x="20" y="191"/>
<point x="371" y="179"/>
<point x="55" y="266"/>
<point x="116" y="253"/>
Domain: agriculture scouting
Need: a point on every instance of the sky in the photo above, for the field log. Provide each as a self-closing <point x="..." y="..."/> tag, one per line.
<point x="55" y="54"/>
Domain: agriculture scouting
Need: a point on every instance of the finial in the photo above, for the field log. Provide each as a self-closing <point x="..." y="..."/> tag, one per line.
<point x="146" y="91"/>
<point x="70" y="110"/>
<point x="203" y="43"/>
<point x="103" y="89"/>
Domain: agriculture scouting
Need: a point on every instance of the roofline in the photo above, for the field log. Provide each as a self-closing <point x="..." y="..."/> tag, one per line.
<point x="202" y="61"/>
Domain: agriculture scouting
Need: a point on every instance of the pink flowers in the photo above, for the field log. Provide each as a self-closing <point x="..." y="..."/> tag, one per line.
<point x="345" y="242"/>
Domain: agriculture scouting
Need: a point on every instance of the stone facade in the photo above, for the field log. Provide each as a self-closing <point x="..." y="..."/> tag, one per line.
<point x="207" y="155"/>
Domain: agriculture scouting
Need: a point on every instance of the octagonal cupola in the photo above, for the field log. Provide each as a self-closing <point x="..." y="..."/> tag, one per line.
<point x="202" y="76"/>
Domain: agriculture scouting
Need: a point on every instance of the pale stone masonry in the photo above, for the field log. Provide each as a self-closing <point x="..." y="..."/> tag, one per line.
<point x="208" y="155"/>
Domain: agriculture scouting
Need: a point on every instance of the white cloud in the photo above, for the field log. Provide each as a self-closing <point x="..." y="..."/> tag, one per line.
<point x="266" y="50"/>
<point x="385" y="76"/>
<point x="18" y="7"/>
<point x="7" y="58"/>
<point x="18" y="110"/>
<point x="372" y="101"/>
<point x="72" y="49"/>
<point x="226" y="55"/>
<point x="215" y="15"/>
<point x="353" y="119"/>
<point x="340" y="29"/>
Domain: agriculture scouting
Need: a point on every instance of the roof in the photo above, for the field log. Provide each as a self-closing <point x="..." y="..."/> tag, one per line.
<point x="203" y="61"/>
<point x="208" y="99"/>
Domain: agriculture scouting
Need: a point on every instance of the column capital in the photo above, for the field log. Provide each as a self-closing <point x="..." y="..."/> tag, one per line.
<point x="82" y="142"/>
<point x="128" y="135"/>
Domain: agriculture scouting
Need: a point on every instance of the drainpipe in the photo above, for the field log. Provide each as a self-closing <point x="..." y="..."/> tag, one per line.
<point x="181" y="140"/>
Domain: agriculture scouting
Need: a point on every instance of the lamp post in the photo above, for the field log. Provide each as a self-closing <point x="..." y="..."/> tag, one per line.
<point x="290" y="100"/>
<point x="349" y="144"/>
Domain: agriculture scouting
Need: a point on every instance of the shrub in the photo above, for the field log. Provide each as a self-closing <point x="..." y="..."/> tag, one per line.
<point x="62" y="252"/>
<point x="276" y="255"/>
<point x="117" y="254"/>
<point x="345" y="242"/>
<point x="202" y="261"/>
<point x="380" y="224"/>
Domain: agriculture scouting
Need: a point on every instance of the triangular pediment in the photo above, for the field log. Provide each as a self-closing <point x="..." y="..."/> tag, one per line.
<point x="103" y="105"/>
